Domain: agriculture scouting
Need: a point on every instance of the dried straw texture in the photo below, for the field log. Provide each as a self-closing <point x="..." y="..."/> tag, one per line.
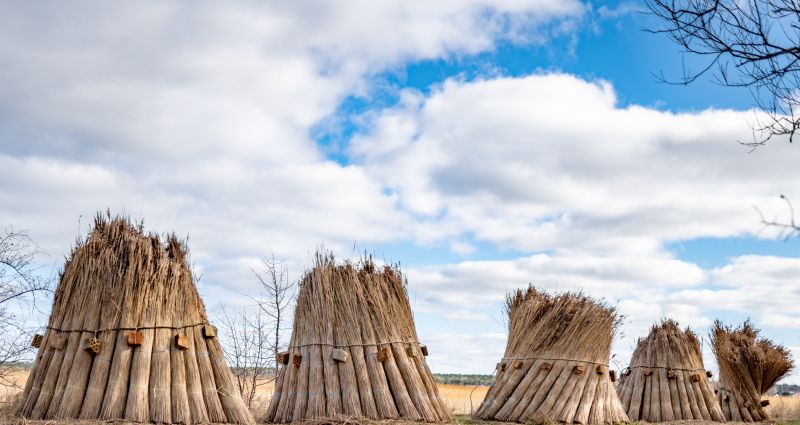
<point x="666" y="380"/>
<point x="555" y="367"/>
<point x="117" y="280"/>
<point x="362" y="310"/>
<point x="748" y="367"/>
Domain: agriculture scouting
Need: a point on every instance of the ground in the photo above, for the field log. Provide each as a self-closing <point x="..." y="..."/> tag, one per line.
<point x="460" y="398"/>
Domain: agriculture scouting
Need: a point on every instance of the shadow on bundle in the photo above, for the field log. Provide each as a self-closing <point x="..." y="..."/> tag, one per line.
<point x="666" y="380"/>
<point x="555" y="368"/>
<point x="748" y="367"/>
<point x="128" y="338"/>
<point x="354" y="350"/>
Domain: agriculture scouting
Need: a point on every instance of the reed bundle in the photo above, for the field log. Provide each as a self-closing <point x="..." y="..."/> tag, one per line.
<point x="116" y="283"/>
<point x="749" y="366"/>
<point x="555" y="368"/>
<point x="666" y="380"/>
<point x="354" y="350"/>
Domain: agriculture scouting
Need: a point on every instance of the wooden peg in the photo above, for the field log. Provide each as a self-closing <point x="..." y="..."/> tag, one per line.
<point x="764" y="403"/>
<point x="93" y="345"/>
<point x="181" y="342"/>
<point x="383" y="354"/>
<point x="517" y="364"/>
<point x="648" y="371"/>
<point x="297" y="359"/>
<point x="671" y="374"/>
<point x="709" y="374"/>
<point x="502" y="366"/>
<point x="410" y="352"/>
<point x="696" y="377"/>
<point x="424" y="349"/>
<point x="209" y="331"/>
<point x="283" y="357"/>
<point x="601" y="369"/>
<point x="58" y="342"/>
<point x="135" y="339"/>
<point x="613" y="375"/>
<point x="340" y="355"/>
<point x="579" y="369"/>
<point x="546" y="366"/>
<point x="37" y="341"/>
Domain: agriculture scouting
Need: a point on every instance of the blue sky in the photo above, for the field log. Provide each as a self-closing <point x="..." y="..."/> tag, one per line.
<point x="482" y="145"/>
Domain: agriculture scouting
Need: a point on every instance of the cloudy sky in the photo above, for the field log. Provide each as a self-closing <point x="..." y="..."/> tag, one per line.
<point x="484" y="145"/>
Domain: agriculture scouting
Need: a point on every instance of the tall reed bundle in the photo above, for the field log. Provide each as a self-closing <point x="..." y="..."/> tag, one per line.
<point x="354" y="350"/>
<point x="119" y="283"/>
<point x="748" y="367"/>
<point x="555" y="368"/>
<point x="666" y="380"/>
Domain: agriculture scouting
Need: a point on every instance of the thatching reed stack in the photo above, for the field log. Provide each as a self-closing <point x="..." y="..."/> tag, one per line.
<point x="555" y="368"/>
<point x="354" y="350"/>
<point x="666" y="380"/>
<point x="748" y="367"/>
<point x="128" y="295"/>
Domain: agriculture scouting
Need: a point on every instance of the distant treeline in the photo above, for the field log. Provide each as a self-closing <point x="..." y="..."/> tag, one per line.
<point x="457" y="379"/>
<point x="787" y="389"/>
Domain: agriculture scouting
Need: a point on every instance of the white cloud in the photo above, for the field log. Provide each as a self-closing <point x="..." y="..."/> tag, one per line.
<point x="553" y="162"/>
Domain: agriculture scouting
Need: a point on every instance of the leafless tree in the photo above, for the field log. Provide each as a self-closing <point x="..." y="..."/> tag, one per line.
<point x="247" y="349"/>
<point x="20" y="283"/>
<point x="786" y="229"/>
<point x="254" y="334"/>
<point x="748" y="43"/>
<point x="275" y="300"/>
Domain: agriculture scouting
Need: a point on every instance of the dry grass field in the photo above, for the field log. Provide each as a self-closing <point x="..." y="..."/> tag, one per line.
<point x="460" y="398"/>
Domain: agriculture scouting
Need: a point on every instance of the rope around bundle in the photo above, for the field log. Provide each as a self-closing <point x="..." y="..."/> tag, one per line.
<point x="555" y="359"/>
<point x="664" y="367"/>
<point x="352" y="345"/>
<point x="139" y="328"/>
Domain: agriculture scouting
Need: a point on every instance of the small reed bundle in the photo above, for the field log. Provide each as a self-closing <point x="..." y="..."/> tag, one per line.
<point x="110" y="350"/>
<point x="354" y="350"/>
<point x="555" y="368"/>
<point x="748" y="367"/>
<point x="666" y="380"/>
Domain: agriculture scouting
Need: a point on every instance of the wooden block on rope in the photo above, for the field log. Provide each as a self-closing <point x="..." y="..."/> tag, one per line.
<point x="37" y="341"/>
<point x="518" y="364"/>
<point x="410" y="351"/>
<point x="671" y="374"/>
<point x="209" y="331"/>
<point x="601" y="369"/>
<point x="648" y="371"/>
<point x="135" y="339"/>
<point x="695" y="377"/>
<point x="296" y="359"/>
<point x="709" y="374"/>
<point x="579" y="369"/>
<point x="340" y="355"/>
<point x="93" y="345"/>
<point x="764" y="403"/>
<point x="181" y="342"/>
<point x="502" y="366"/>
<point x="424" y="349"/>
<point x="546" y="366"/>
<point x="283" y="357"/>
<point x="613" y="375"/>
<point x="383" y="354"/>
<point x="58" y="342"/>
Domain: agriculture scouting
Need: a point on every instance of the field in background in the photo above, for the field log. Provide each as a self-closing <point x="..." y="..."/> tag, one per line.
<point x="458" y="397"/>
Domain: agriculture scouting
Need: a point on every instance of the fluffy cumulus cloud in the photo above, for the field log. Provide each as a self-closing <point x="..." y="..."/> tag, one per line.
<point x="198" y="117"/>
<point x="200" y="120"/>
<point x="552" y="164"/>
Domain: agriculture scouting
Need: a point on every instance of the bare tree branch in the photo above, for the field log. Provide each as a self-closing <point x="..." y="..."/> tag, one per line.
<point x="20" y="282"/>
<point x="748" y="43"/>
<point x="786" y="229"/>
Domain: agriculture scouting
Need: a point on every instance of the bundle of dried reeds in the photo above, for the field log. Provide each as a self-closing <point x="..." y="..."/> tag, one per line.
<point x="748" y="366"/>
<point x="555" y="368"/>
<point x="666" y="380"/>
<point x="354" y="350"/>
<point x="112" y="348"/>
